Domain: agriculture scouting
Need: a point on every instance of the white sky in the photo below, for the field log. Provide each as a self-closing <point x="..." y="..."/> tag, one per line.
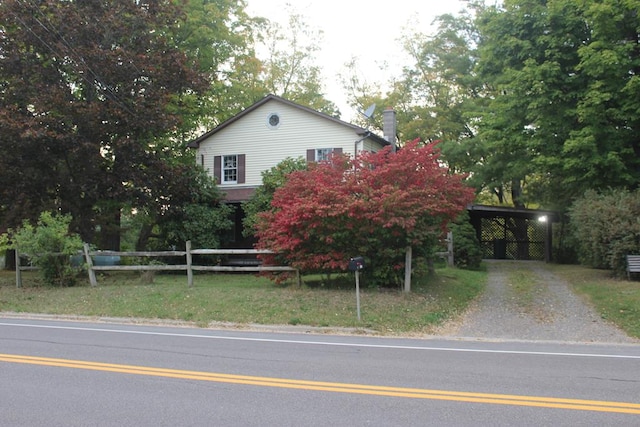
<point x="368" y="30"/>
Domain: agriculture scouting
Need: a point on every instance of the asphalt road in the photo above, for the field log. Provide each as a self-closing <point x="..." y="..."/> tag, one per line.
<point x="61" y="373"/>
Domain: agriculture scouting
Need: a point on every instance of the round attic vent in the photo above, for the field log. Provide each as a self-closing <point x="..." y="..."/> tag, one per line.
<point x="273" y="120"/>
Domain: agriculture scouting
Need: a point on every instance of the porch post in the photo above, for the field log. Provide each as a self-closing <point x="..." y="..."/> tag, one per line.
<point x="548" y="241"/>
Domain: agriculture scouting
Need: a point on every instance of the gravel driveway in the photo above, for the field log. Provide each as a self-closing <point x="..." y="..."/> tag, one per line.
<point x="547" y="310"/>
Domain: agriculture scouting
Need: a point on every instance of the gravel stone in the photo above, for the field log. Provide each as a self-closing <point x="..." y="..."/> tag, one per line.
<point x="551" y="313"/>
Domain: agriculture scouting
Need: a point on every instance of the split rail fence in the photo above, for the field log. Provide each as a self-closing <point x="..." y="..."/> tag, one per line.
<point x="188" y="266"/>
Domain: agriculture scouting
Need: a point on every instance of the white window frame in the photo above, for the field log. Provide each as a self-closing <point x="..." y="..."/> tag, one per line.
<point x="230" y="165"/>
<point x="323" y="154"/>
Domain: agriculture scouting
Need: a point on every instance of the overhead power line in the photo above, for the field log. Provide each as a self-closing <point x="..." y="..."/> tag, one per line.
<point x="70" y="54"/>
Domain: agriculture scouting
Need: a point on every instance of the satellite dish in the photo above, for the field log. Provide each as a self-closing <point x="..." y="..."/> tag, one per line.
<point x="369" y="111"/>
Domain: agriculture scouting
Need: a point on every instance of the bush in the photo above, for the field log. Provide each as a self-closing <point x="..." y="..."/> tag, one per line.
<point x="272" y="179"/>
<point x="50" y="246"/>
<point x="374" y="206"/>
<point x="467" y="252"/>
<point x="606" y="227"/>
<point x="4" y="242"/>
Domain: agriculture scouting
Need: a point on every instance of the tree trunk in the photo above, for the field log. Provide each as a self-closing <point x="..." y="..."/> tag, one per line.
<point x="146" y="232"/>
<point x="109" y="235"/>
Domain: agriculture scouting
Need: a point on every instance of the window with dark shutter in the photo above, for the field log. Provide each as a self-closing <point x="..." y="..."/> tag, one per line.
<point x="241" y="168"/>
<point x="217" y="169"/>
<point x="230" y="168"/>
<point x="311" y="155"/>
<point x="322" y="154"/>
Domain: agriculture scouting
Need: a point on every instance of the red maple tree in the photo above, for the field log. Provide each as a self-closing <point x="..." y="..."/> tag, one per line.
<point x="375" y="206"/>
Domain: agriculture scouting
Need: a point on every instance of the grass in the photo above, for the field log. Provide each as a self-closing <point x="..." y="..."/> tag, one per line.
<point x="523" y="286"/>
<point x="617" y="300"/>
<point x="247" y="299"/>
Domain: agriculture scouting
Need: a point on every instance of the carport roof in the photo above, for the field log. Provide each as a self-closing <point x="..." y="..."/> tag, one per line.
<point x="485" y="211"/>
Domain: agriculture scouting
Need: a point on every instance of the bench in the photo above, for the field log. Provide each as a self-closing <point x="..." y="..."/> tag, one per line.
<point x="633" y="264"/>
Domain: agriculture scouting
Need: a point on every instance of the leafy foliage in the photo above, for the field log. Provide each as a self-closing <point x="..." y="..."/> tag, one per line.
<point x="49" y="244"/>
<point x="201" y="224"/>
<point x="248" y="58"/>
<point x="4" y="242"/>
<point x="272" y="179"/>
<point x="97" y="100"/>
<point x="221" y="37"/>
<point x="289" y="70"/>
<point x="87" y="89"/>
<point x="193" y="210"/>
<point x="373" y="206"/>
<point x="537" y="100"/>
<point x="467" y="252"/>
<point x="607" y="228"/>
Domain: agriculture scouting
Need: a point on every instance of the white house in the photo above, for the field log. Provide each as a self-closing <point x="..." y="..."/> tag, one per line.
<point x="238" y="150"/>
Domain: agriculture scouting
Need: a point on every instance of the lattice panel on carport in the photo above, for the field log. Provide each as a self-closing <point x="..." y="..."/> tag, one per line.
<point x="512" y="238"/>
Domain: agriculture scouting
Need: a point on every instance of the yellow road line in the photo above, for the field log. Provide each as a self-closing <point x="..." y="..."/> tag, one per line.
<point x="416" y="393"/>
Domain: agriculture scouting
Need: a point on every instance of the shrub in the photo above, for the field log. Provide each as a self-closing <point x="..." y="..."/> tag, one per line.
<point x="467" y="252"/>
<point x="374" y="206"/>
<point x="4" y="242"/>
<point x="50" y="246"/>
<point x="272" y="179"/>
<point x="606" y="227"/>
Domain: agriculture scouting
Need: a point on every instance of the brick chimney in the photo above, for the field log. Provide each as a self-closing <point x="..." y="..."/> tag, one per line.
<point x="389" y="126"/>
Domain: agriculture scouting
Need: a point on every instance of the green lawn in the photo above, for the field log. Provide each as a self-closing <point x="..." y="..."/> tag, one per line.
<point x="247" y="299"/>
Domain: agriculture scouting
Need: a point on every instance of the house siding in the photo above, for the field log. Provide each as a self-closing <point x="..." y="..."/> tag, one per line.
<point x="370" y="146"/>
<point x="265" y="146"/>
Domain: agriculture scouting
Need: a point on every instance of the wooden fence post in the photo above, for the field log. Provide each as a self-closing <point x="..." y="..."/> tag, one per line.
<point x="18" y="273"/>
<point x="189" y="262"/>
<point x="92" y="273"/>
<point x="407" y="269"/>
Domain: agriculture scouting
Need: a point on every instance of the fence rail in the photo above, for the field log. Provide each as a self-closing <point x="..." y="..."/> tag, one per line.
<point x="189" y="267"/>
<point x="449" y="252"/>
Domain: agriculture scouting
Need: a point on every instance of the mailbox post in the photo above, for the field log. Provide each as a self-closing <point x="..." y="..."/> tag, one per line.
<point x="356" y="264"/>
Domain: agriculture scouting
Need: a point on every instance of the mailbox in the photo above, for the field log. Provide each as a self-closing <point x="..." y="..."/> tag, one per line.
<point x="356" y="263"/>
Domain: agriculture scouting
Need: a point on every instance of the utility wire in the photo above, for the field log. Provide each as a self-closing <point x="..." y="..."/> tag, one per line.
<point x="71" y="54"/>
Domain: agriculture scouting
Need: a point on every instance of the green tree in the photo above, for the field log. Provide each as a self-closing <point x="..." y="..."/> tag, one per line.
<point x="85" y="90"/>
<point x="561" y="118"/>
<point x="289" y="69"/>
<point x="260" y="201"/>
<point x="440" y="83"/>
<point x="199" y="215"/>
<point x="608" y="135"/>
<point x="467" y="251"/>
<point x="525" y="56"/>
<point x="536" y="99"/>
<point x="436" y="91"/>
<point x="221" y="37"/>
<point x="49" y="245"/>
<point x="247" y="58"/>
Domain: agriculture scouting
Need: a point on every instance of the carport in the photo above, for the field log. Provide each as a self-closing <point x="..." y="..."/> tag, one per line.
<point x="512" y="233"/>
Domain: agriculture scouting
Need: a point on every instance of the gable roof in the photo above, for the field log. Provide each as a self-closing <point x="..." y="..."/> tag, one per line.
<point x="357" y="129"/>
